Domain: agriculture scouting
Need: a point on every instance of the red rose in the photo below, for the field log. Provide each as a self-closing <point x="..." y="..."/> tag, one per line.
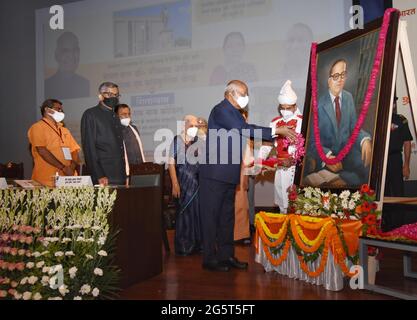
<point x="292" y="196"/>
<point x="370" y="219"/>
<point x="374" y="206"/>
<point x="372" y="251"/>
<point x="371" y="192"/>
<point x="366" y="207"/>
<point x="372" y="231"/>
<point x="364" y="188"/>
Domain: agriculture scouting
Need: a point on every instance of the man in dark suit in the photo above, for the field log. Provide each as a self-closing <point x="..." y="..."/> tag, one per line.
<point x="102" y="139"/>
<point x="221" y="174"/>
<point x="131" y="136"/>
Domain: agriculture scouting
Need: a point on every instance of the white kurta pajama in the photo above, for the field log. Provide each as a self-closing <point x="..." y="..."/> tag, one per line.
<point x="284" y="177"/>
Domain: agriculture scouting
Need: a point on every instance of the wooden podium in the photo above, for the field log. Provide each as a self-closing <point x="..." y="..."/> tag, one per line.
<point x="137" y="214"/>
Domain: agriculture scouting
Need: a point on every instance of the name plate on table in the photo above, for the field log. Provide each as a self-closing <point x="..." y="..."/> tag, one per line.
<point x="28" y="184"/>
<point x="75" y="181"/>
<point x="3" y="184"/>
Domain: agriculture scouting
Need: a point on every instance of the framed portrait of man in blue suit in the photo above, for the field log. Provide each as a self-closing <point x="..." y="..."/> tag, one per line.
<point x="343" y="152"/>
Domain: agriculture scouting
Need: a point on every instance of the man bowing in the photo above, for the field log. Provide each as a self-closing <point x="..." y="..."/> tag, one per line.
<point x="220" y="175"/>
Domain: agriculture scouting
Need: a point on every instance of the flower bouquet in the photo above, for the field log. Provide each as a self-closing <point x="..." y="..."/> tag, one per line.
<point x="274" y="160"/>
<point x="359" y="205"/>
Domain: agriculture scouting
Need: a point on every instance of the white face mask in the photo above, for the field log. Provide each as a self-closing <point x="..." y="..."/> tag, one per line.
<point x="286" y="114"/>
<point x="243" y="101"/>
<point x="192" y="132"/>
<point x="58" y="116"/>
<point x="125" y="122"/>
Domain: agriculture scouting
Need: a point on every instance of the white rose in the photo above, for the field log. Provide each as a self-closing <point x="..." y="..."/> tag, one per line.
<point x="45" y="281"/>
<point x="32" y="279"/>
<point x="352" y="205"/>
<point x="69" y="254"/>
<point x="65" y="240"/>
<point x="46" y="269"/>
<point x="345" y="194"/>
<point x="78" y="298"/>
<point x="36" y="254"/>
<point x="98" y="272"/>
<point x="89" y="256"/>
<point x="80" y="239"/>
<point x="345" y="204"/>
<point x="85" y="289"/>
<point x="24" y="281"/>
<point x="37" y="296"/>
<point x="102" y="253"/>
<point x="30" y="265"/>
<point x="95" y="292"/>
<point x="17" y="295"/>
<point x="40" y="264"/>
<point x="63" y="290"/>
<point x="72" y="272"/>
<point x="59" y="254"/>
<point x="27" y="295"/>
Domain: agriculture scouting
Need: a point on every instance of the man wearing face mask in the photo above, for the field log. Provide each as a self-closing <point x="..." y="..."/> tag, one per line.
<point x="221" y="174"/>
<point x="131" y="137"/>
<point x="290" y="117"/>
<point x="102" y="139"/>
<point x="54" y="150"/>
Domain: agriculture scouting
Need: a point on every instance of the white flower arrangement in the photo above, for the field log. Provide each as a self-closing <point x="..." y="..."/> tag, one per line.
<point x="68" y="239"/>
<point x="315" y="202"/>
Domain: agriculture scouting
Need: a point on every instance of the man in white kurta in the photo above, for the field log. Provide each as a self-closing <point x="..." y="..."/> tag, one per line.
<point x="291" y="117"/>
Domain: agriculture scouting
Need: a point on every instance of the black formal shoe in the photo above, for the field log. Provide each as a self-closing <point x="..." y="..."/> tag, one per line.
<point x="222" y="267"/>
<point x="244" y="242"/>
<point x="234" y="263"/>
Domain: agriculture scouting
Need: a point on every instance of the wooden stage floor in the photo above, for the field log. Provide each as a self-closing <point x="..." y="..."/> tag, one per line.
<point x="184" y="279"/>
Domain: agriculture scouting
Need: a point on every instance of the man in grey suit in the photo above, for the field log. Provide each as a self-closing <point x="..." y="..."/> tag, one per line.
<point x="337" y="119"/>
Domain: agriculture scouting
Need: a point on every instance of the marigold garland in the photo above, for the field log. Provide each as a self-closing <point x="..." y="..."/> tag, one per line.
<point x="328" y="237"/>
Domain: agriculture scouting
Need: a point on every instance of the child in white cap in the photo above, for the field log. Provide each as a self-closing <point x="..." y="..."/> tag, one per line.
<point x="290" y="116"/>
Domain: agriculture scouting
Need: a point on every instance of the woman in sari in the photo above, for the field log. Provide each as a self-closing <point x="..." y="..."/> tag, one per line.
<point x="184" y="177"/>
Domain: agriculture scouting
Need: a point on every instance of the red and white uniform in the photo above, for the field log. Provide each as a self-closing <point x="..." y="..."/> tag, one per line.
<point x="284" y="177"/>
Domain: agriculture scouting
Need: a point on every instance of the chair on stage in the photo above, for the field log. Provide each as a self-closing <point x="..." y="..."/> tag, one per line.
<point x="150" y="174"/>
<point x="12" y="171"/>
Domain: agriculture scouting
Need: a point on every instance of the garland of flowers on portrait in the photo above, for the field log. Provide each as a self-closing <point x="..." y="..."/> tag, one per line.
<point x="368" y="97"/>
<point x="57" y="244"/>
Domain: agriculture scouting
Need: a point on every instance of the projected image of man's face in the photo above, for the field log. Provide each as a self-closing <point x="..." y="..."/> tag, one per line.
<point x="67" y="53"/>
